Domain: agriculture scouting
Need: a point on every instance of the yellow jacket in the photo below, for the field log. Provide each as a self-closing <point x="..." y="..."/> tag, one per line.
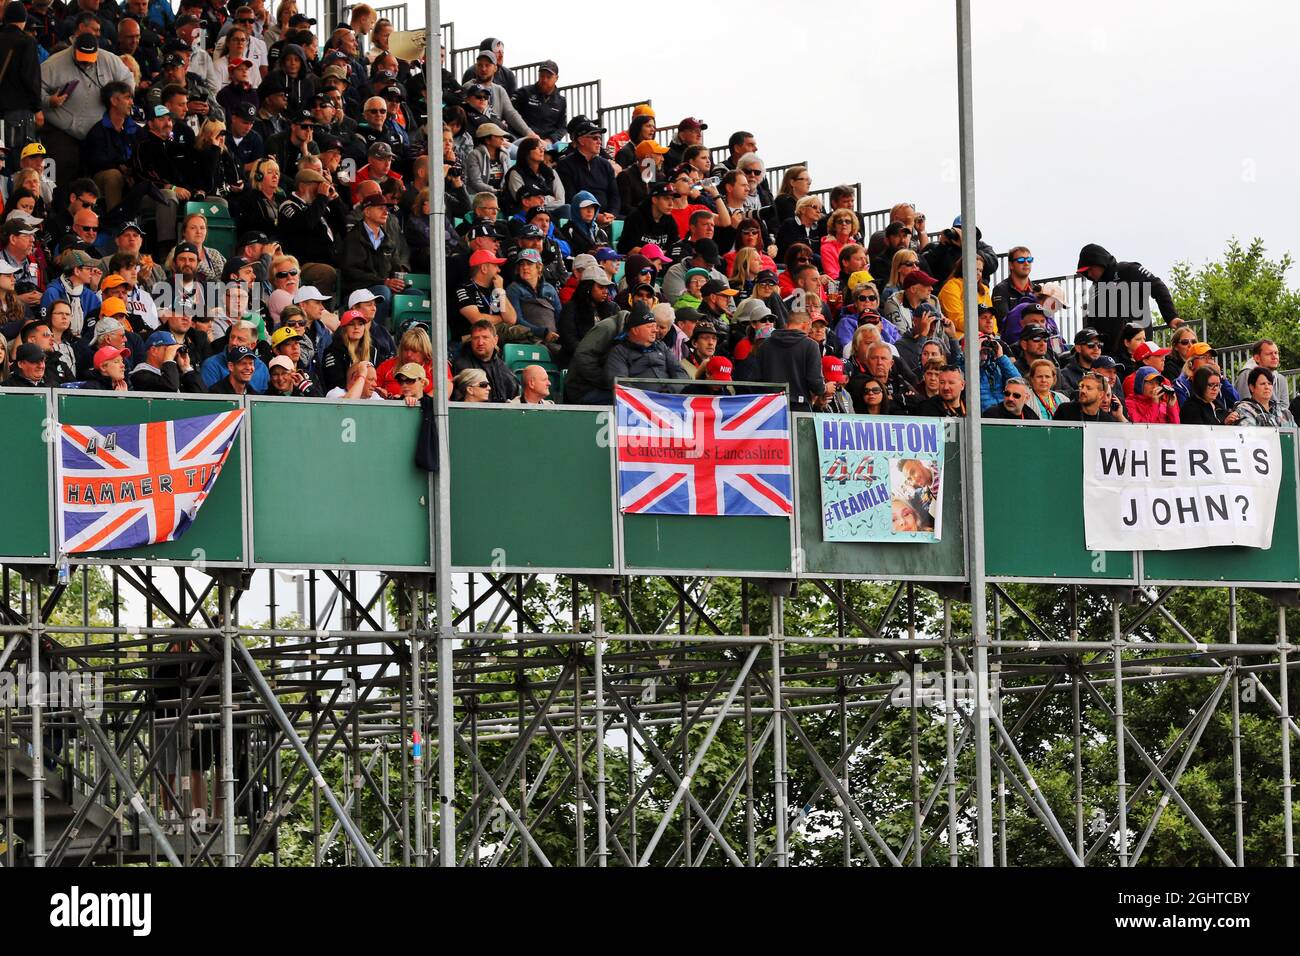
<point x="952" y="301"/>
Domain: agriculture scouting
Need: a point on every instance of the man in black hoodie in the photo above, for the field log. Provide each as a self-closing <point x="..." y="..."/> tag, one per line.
<point x="1121" y="294"/>
<point x="788" y="355"/>
<point x="20" y="98"/>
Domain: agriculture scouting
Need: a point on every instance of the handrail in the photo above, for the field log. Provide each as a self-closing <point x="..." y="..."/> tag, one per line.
<point x="583" y="99"/>
<point x="618" y="118"/>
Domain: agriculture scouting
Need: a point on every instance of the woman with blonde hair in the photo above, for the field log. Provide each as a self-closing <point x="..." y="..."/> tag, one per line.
<point x="905" y="261"/>
<point x="414" y="346"/>
<point x="276" y="32"/>
<point x="745" y="268"/>
<point x="217" y="167"/>
<point x="352" y="344"/>
<point x="841" y="227"/>
<point x="795" y="184"/>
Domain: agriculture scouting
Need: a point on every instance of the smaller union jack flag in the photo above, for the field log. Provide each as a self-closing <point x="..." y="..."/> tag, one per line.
<point x="123" y="486"/>
<point x="703" y="454"/>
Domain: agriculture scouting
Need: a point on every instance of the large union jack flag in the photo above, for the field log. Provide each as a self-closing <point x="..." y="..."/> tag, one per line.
<point x="122" y="486"/>
<point x="703" y="454"/>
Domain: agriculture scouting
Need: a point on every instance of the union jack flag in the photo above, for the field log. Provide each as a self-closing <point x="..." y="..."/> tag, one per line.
<point x="703" y="454"/>
<point x="122" y="486"/>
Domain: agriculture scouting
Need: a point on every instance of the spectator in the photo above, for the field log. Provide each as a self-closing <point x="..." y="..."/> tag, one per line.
<point x="638" y="352"/>
<point x="241" y="364"/>
<point x="1016" y="285"/>
<point x="1264" y="354"/>
<point x="703" y="343"/>
<point x="1132" y="339"/>
<point x="352" y="343"/>
<point x="530" y="169"/>
<point x="29" y="369"/>
<point x="995" y="370"/>
<point x="749" y="236"/>
<point x="906" y="214"/>
<point x="584" y="167"/>
<point x="918" y="289"/>
<point x="927" y="327"/>
<point x="646" y="170"/>
<point x="471" y="385"/>
<point x="108" y="369"/>
<point x="20" y="98"/>
<point x="1095" y="403"/>
<point x="870" y="398"/>
<point x="1180" y="348"/>
<point x="1043" y="397"/>
<point x="371" y="258"/>
<point x="1087" y="348"/>
<point x="483" y="354"/>
<point x="1121" y="295"/>
<point x="536" y="387"/>
<point x="286" y="381"/>
<point x="952" y="296"/>
<point x="1033" y="348"/>
<point x="1154" y="400"/>
<point x="82" y="70"/>
<point x="589" y="306"/>
<point x="486" y="73"/>
<point x="311" y="219"/>
<point x="485" y="166"/>
<point x="951" y="400"/>
<point x="1201" y="406"/>
<point x="795" y="185"/>
<point x="1015" y="403"/>
<point x="414" y="348"/>
<point x="640" y="130"/>
<point x="897" y="239"/>
<point x="535" y="301"/>
<point x="790" y="357"/>
<point x="651" y="222"/>
<point x="542" y="106"/>
<point x="483" y="297"/>
<point x="940" y="258"/>
<point x="584" y="232"/>
<point x="242" y="334"/>
<point x="166" y="367"/>
<point x="1263" y="408"/>
<point x="690" y="132"/>
<point x="73" y="287"/>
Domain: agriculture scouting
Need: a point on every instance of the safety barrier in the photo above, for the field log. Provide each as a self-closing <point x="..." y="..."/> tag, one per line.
<point x="583" y="98"/>
<point x="332" y="484"/>
<point x="616" y="119"/>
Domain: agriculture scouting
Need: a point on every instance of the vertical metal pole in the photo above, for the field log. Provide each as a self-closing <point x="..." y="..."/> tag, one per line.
<point x="996" y="705"/>
<point x="579" y="805"/>
<point x="598" y="629"/>
<point x="230" y="857"/>
<point x="442" y="479"/>
<point x="1077" y="715"/>
<point x="751" y="847"/>
<point x="949" y="731"/>
<point x="36" y="703"/>
<point x="914" y="730"/>
<point x="778" y="736"/>
<point x="846" y="826"/>
<point x="1237" y="814"/>
<point x="1121" y="784"/>
<point x="420" y="622"/>
<point x="1284" y="699"/>
<point x="974" y="458"/>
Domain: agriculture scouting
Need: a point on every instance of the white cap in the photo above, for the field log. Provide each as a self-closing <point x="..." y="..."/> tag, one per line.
<point x="280" y="361"/>
<point x="309" y="293"/>
<point x="596" y="274"/>
<point x="7" y="268"/>
<point x="361" y="295"/>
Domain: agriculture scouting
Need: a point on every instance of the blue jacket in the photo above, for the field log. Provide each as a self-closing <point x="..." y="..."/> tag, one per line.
<point x="518" y="293"/>
<point x="106" y="148"/>
<point x="993" y="378"/>
<point x="58" y="292"/>
<point x="214" y="370"/>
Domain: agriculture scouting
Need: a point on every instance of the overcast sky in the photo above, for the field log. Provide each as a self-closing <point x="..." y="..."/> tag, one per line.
<point x="1158" y="129"/>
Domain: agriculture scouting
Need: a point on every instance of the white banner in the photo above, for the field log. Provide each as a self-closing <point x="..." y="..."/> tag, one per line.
<point x="1177" y="487"/>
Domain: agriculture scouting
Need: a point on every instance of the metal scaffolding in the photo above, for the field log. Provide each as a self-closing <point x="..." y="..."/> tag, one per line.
<point x="621" y="722"/>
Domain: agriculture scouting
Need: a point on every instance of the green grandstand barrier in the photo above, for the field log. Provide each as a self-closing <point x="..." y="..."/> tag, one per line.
<point x="531" y="489"/>
<point x="736" y="545"/>
<point x="1279" y="564"/>
<point x="944" y="560"/>
<point x="26" y="528"/>
<point x="1033" y="508"/>
<point x="216" y="538"/>
<point x="335" y="484"/>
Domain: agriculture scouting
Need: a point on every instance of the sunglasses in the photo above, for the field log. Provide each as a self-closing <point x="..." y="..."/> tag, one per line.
<point x="1212" y="385"/>
<point x="875" y="390"/>
<point x="1023" y="259"/>
<point x="89" y="228"/>
<point x="286" y="275"/>
<point x="296" y="323"/>
<point x="403" y="380"/>
<point x="1011" y="394"/>
<point x="868" y="298"/>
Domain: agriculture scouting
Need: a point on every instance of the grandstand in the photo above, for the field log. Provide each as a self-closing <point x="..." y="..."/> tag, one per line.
<point x="540" y="678"/>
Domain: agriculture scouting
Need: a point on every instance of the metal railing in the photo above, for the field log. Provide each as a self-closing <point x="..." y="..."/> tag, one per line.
<point x="462" y="60"/>
<point x="618" y="118"/>
<point x="1070" y="317"/>
<point x="526" y="73"/>
<point x="719" y="153"/>
<point x="664" y="134"/>
<point x="583" y="98"/>
<point x="395" y="14"/>
<point x="447" y="31"/>
<point x="873" y="221"/>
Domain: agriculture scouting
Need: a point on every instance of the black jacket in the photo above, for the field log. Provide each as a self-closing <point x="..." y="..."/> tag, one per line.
<point x="310" y="233"/>
<point x="790" y="356"/>
<point x="999" y="410"/>
<point x="1123" y="295"/>
<point x="595" y="176"/>
<point x="1005" y="296"/>
<point x="501" y="381"/>
<point x="545" y="115"/>
<point x="362" y="265"/>
<point x="1194" y="411"/>
<point x="168" y="378"/>
<point x="641" y="228"/>
<point x="792" y="231"/>
<point x="20" y="85"/>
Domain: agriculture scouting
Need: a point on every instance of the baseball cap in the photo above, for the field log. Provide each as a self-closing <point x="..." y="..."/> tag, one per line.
<point x="530" y="255"/>
<point x="107" y="325"/>
<point x="606" y="254"/>
<point x="284" y="334"/>
<point x="127" y="226"/>
<point x="238" y="353"/>
<point x="31" y="149"/>
<point x="481" y="229"/>
<point x="833" y="369"/>
<point x="752" y="310"/>
<point x="692" y="123"/>
<point x="595" y="274"/>
<point x="161" y="337"/>
<point x="481" y="257"/>
<point x="548" y="66"/>
<point x="919" y="277"/>
<point x="717" y="287"/>
<point x="380" y="150"/>
<point x="1148" y="351"/>
<point x="413" y="371"/>
<point x="1201" y="348"/>
<point x="531" y="232"/>
<point x="490" y="129"/>
<point x="662" y="189"/>
<point x="705" y="249"/>
<point x="718" y="368"/>
<point x="309" y="293"/>
<point x="378" y="199"/>
<point x="478" y="89"/>
<point x="31" y="352"/>
<point x="1086" y="335"/>
<point x="87" y="49"/>
<point x="687" y="314"/>
<point x="235" y="62"/>
<point x="8" y="268"/>
<point x="159" y="111"/>
<point x="697" y="271"/>
<point x="170" y="61"/>
<point x="183" y="247"/>
<point x="1144" y="373"/>
<point x="644" y="109"/>
<point x="652" y="252"/>
<point x="14" y="226"/>
<point x="648" y="147"/>
<point x="308" y="175"/>
<point x="105" y="354"/>
<point x="765" y="275"/>
<point x="350" y="316"/>
<point x="1104" y="362"/>
<point x="584" y="128"/>
<point x="280" y="361"/>
<point x="393" y="93"/>
<point x="253" y="238"/>
<point x="640" y="314"/>
<point x="111" y="307"/>
<point x="703" y="327"/>
<point x="360" y="296"/>
<point x="1035" y="332"/>
<point x="301" y="116"/>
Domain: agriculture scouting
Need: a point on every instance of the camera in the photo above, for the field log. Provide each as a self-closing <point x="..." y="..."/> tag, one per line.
<point x="456" y="170"/>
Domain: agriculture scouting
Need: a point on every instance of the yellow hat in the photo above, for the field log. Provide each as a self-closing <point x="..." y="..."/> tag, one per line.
<point x="284" y="334"/>
<point x="112" y="306"/>
<point x="859" y="278"/>
<point x="643" y="110"/>
<point x="33" y="149"/>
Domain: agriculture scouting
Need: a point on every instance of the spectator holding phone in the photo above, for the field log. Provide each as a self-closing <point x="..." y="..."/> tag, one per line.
<point x="1095" y="403"/>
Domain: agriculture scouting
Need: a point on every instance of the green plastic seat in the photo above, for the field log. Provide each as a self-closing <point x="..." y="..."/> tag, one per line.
<point x="420" y="280"/>
<point x="518" y="357"/>
<point x="407" y="306"/>
<point x="615" y="232"/>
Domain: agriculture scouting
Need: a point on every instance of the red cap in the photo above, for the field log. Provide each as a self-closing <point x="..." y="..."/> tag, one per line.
<point x="482" y="256"/>
<point x="1146" y="351"/>
<point x="107" y="354"/>
<point x="833" y="369"/>
<point x="718" y="368"/>
<point x="350" y="316"/>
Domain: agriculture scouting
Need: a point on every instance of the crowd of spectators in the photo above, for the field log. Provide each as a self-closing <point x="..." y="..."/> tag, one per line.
<point x="130" y="126"/>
